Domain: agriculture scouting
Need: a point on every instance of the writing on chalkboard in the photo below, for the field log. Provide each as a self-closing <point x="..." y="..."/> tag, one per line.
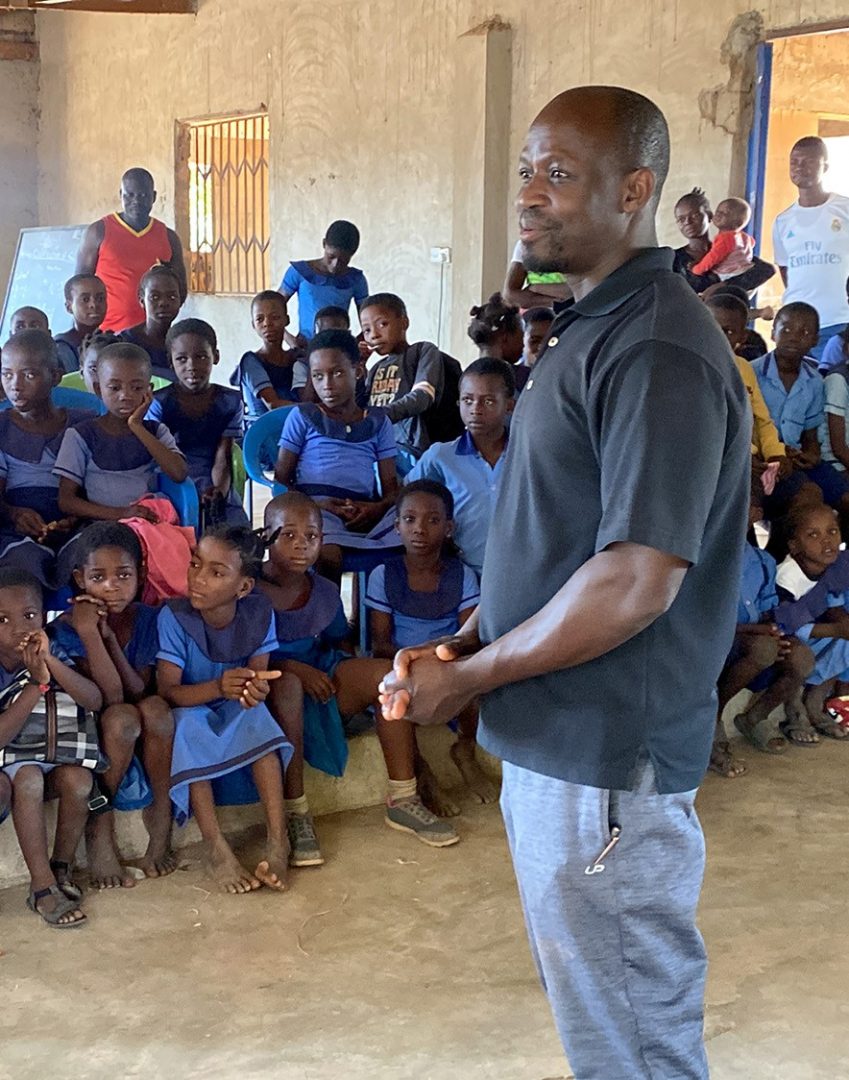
<point x="44" y="260"/>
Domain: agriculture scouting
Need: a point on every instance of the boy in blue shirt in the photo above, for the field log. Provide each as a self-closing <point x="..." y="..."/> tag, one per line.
<point x="470" y="467"/>
<point x="795" y="396"/>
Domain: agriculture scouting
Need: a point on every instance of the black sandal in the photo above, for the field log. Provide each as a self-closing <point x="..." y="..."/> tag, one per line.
<point x="64" y="879"/>
<point x="64" y="907"/>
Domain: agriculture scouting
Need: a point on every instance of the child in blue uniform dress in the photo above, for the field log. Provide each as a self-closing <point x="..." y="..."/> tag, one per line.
<point x="106" y="464"/>
<point x="271" y="375"/>
<point x="321" y="682"/>
<point x="115" y="641"/>
<point x="330" y="451"/>
<point x="36" y="532"/>
<point x="204" y="418"/>
<point x="424" y="594"/>
<point x="771" y="663"/>
<point x="159" y="295"/>
<point x="813" y="541"/>
<point x="212" y="668"/>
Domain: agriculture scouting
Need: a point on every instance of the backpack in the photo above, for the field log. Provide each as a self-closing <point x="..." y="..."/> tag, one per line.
<point x="442" y="419"/>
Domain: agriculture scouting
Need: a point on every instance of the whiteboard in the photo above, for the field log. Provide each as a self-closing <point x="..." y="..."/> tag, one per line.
<point x="44" y="260"/>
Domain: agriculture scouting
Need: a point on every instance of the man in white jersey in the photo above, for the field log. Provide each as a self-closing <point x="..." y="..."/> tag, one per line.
<point x="810" y="240"/>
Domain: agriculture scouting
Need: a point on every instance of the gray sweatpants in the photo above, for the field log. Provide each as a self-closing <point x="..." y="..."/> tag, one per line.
<point x="617" y="948"/>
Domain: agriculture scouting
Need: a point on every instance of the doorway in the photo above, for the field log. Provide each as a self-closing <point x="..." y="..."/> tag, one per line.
<point x="802" y="88"/>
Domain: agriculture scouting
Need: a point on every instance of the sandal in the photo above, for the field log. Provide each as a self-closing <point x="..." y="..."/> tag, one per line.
<point x="64" y="879"/>
<point x="762" y="735"/>
<point x="722" y="761"/>
<point x="794" y="726"/>
<point x="64" y="907"/>
<point x="830" y="728"/>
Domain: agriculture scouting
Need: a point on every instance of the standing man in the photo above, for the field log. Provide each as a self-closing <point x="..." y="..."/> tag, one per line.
<point x="810" y="240"/>
<point x="120" y="248"/>
<point x="625" y="490"/>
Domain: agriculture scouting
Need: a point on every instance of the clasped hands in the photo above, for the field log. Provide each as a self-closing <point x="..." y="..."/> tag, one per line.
<point x="429" y="684"/>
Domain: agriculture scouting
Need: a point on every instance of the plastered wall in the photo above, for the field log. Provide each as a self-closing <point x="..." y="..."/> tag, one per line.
<point x="363" y="108"/>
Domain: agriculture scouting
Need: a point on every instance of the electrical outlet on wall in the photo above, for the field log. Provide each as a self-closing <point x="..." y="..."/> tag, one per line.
<point x="440" y="254"/>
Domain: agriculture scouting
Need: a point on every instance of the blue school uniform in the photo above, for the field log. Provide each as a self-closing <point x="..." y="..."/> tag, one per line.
<point x="312" y="634"/>
<point x="315" y="290"/>
<point x="758" y="595"/>
<point x="198" y="438"/>
<point x="68" y="351"/>
<point x="473" y="483"/>
<point x="27" y="461"/>
<point x="254" y="374"/>
<point x="134" y="792"/>
<point x="221" y="737"/>
<point x="160" y="361"/>
<point x="114" y="470"/>
<point x="418" y="617"/>
<point x="338" y="460"/>
<point x="832" y="654"/>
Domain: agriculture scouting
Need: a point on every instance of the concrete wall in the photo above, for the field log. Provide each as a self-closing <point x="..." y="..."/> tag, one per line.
<point x="18" y="133"/>
<point x="364" y="112"/>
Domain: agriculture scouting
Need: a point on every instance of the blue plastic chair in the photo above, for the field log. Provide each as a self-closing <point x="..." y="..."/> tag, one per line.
<point x="67" y="397"/>
<point x="260" y="446"/>
<point x="184" y="498"/>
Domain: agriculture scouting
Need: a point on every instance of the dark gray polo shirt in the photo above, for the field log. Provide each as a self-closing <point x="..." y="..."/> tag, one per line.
<point x="634" y="426"/>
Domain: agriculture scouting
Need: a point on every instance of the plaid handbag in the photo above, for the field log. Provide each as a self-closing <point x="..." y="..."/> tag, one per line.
<point x="57" y="731"/>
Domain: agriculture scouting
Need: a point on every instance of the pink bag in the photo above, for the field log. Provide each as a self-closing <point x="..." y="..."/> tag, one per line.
<point x="167" y="549"/>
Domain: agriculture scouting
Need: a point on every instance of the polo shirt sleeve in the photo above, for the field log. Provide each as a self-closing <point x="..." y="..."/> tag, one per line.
<point x="659" y="457"/>
<point x="834" y="352"/>
<point x="254" y="375"/>
<point x="236" y="420"/>
<point x="426" y="468"/>
<point x="768" y="595"/>
<point x="167" y="439"/>
<point x="293" y="437"/>
<point x="815" y="413"/>
<point x="376" y="591"/>
<point x="173" y="645"/>
<point x="836" y="395"/>
<point x="270" y="644"/>
<point x="290" y="283"/>
<point x="471" y="591"/>
<point x="360" y="289"/>
<point x="73" y="457"/>
<point x="385" y="447"/>
<point x="154" y="412"/>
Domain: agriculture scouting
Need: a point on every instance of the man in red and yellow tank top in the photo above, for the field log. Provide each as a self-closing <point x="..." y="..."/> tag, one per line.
<point x="119" y="248"/>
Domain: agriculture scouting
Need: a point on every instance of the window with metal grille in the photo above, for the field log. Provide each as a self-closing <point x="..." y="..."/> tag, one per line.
<point x="222" y="202"/>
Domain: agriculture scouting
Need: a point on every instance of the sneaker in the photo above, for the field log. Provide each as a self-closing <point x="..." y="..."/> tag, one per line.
<point x="412" y="816"/>
<point x="303" y="845"/>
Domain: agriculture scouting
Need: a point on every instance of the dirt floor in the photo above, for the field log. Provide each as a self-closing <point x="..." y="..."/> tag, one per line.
<point x="398" y="962"/>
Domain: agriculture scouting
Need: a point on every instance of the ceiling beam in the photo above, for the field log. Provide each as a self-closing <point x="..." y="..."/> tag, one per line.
<point x="136" y="7"/>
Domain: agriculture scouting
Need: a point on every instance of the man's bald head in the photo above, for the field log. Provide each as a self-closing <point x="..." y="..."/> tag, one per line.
<point x="630" y="125"/>
<point x="138" y="175"/>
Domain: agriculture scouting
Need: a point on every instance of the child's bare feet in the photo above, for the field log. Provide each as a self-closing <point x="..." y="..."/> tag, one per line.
<point x="432" y="795"/>
<point x="104" y="865"/>
<point x="227" y="872"/>
<point x="722" y="761"/>
<point x="273" y="870"/>
<point x="475" y="779"/>
<point x="159" y="860"/>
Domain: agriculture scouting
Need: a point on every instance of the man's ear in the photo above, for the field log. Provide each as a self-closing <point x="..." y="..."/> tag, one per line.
<point x="638" y="187"/>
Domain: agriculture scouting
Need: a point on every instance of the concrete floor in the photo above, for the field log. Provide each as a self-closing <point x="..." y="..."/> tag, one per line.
<point x="397" y="962"/>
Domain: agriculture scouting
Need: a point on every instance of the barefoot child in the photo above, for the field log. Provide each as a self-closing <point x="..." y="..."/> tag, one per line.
<point x="204" y="418"/>
<point x="212" y="668"/>
<point x="113" y="639"/>
<point x="271" y="375"/>
<point x="106" y="464"/>
<point x="43" y="754"/>
<point x="471" y="466"/>
<point x="36" y="531"/>
<point x="85" y="301"/>
<point x="330" y="450"/>
<point x="161" y="298"/>
<point x="772" y="664"/>
<point x="424" y="594"/>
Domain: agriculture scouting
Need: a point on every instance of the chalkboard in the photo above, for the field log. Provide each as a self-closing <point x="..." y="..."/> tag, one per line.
<point x="44" y="260"/>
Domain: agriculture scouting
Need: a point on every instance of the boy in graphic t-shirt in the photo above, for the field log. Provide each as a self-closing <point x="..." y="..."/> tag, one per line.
<point x="811" y="242"/>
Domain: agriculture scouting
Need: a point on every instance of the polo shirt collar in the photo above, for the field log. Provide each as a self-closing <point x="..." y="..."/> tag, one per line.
<point x="467" y="448"/>
<point x="807" y="370"/>
<point x="624" y="282"/>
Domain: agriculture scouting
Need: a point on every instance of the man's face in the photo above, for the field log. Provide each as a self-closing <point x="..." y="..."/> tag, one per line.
<point x="137" y="199"/>
<point x="570" y="199"/>
<point x="807" y="166"/>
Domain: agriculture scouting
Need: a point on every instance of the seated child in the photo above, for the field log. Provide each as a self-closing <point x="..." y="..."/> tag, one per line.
<point x="113" y="640"/>
<point x="90" y="350"/>
<point x="28" y="318"/>
<point x="161" y="297"/>
<point x="813" y="540"/>
<point x="331" y="318"/>
<point x="762" y="658"/>
<point x="794" y="393"/>
<point x="537" y="323"/>
<point x="326" y="281"/>
<point x="35" y="532"/>
<point x="471" y="466"/>
<point x="212" y="669"/>
<point x="31" y="668"/>
<point x="106" y="464"/>
<point x="85" y="301"/>
<point x="408" y="380"/>
<point x="320" y="683"/>
<point x="497" y="331"/>
<point x="270" y="375"/>
<point x="424" y="594"/>
<point x="836" y="351"/>
<point x="330" y="451"/>
<point x="753" y="345"/>
<point x="204" y="418"/>
<point x="732" y="249"/>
